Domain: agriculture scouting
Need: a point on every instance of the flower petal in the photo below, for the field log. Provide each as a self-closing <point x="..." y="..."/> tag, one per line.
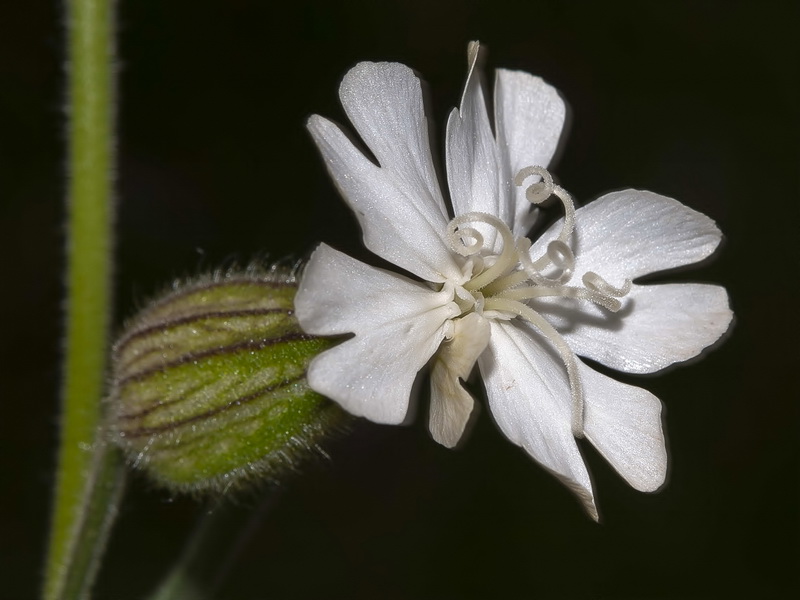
<point x="659" y="325"/>
<point x="451" y="405"/>
<point x="529" y="115"/>
<point x="627" y="234"/>
<point x="398" y="325"/>
<point x="624" y="423"/>
<point x="529" y="395"/>
<point x="398" y="204"/>
<point x="471" y="153"/>
<point x="384" y="102"/>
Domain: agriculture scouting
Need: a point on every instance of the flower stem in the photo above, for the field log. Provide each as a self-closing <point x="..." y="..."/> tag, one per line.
<point x="95" y="516"/>
<point x="211" y="552"/>
<point x="86" y="470"/>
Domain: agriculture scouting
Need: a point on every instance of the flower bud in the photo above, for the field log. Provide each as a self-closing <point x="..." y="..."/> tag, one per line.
<point x="209" y="384"/>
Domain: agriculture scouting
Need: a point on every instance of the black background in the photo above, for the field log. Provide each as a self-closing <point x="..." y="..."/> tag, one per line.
<point x="695" y="100"/>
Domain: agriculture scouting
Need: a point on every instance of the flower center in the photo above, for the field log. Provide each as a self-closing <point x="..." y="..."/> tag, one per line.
<point x="501" y="285"/>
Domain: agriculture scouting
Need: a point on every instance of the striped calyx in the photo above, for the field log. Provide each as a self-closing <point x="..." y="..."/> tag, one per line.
<point x="209" y="384"/>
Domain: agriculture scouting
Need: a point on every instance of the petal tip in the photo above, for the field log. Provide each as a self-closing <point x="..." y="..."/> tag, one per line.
<point x="585" y="496"/>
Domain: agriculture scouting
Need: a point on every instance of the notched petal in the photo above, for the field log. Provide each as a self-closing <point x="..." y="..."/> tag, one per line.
<point x="659" y="326"/>
<point x="398" y="203"/>
<point x="398" y="325"/>
<point x="624" y="423"/>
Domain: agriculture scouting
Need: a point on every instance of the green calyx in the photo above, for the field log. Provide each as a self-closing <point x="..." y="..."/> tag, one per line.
<point x="209" y="387"/>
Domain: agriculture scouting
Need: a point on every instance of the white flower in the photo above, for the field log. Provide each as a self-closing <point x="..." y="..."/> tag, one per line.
<point x="479" y="291"/>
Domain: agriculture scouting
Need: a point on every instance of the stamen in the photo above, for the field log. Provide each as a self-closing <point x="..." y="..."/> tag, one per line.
<point x="504" y="263"/>
<point x="465" y="241"/>
<point x="539" y="191"/>
<point x="567" y="356"/>
<point x="504" y="283"/>
<point x="558" y="254"/>
<point x="499" y="286"/>
<point x="595" y="282"/>
<point x="569" y="213"/>
<point x="564" y="291"/>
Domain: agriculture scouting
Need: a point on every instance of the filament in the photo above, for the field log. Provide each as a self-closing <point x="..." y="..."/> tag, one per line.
<point x="595" y="282"/>
<point x="507" y="260"/>
<point x="501" y="285"/>
<point x="558" y="254"/>
<point x="530" y="293"/>
<point x="567" y="356"/>
<point x="537" y="192"/>
<point x="540" y="191"/>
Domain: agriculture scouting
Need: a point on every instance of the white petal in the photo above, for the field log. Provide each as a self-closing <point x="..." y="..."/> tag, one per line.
<point x="529" y="115"/>
<point x="624" y="423"/>
<point x="398" y="325"/>
<point x="384" y="103"/>
<point x="659" y="325"/>
<point x="451" y="405"/>
<point x="398" y="204"/>
<point x="529" y="396"/>
<point x="632" y="233"/>
<point x="471" y="152"/>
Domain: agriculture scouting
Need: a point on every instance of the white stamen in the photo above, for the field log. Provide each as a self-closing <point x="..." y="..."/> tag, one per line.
<point x="595" y="282"/>
<point x="537" y="192"/>
<point x="465" y="241"/>
<point x="567" y="356"/>
<point x="504" y="263"/>
<point x="558" y="254"/>
<point x="564" y="291"/>
<point x="569" y="213"/>
<point x="541" y="191"/>
<point x="498" y="286"/>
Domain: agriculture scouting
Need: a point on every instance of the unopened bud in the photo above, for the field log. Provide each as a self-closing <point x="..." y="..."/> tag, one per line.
<point x="209" y="384"/>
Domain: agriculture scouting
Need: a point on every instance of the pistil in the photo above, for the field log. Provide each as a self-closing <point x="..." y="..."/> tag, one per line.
<point x="500" y="285"/>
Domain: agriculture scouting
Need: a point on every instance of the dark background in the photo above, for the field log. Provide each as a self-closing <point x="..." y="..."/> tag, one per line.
<point x="695" y="100"/>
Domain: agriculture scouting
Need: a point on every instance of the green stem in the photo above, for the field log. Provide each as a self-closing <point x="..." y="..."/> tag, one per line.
<point x="97" y="513"/>
<point x="183" y="580"/>
<point x="211" y="552"/>
<point x="89" y="246"/>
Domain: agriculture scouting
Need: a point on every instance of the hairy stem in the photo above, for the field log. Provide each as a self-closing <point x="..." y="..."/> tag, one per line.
<point x="84" y="467"/>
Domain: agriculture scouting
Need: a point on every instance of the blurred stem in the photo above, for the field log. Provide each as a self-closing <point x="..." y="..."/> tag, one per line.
<point x="95" y="516"/>
<point x="86" y="471"/>
<point x="184" y="581"/>
<point x="211" y="553"/>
